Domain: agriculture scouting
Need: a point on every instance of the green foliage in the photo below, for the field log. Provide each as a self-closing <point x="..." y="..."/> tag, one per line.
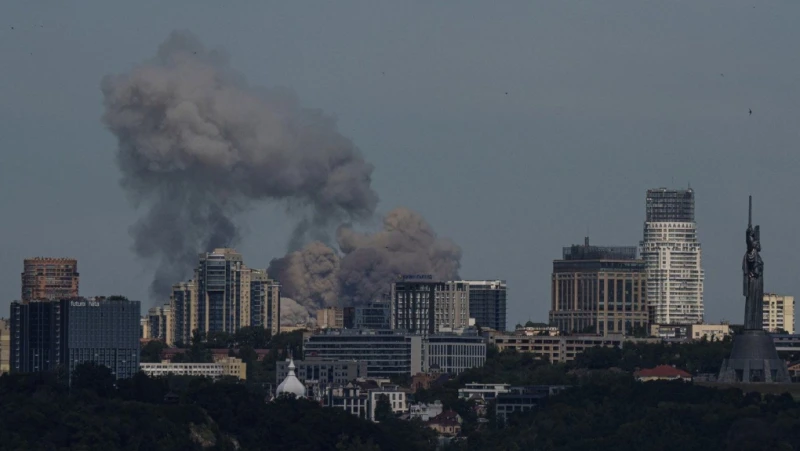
<point x="151" y="351"/>
<point x="93" y="377"/>
<point x="619" y="413"/>
<point x="695" y="357"/>
<point x="383" y="409"/>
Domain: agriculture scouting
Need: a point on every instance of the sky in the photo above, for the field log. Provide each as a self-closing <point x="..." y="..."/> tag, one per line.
<point x="514" y="127"/>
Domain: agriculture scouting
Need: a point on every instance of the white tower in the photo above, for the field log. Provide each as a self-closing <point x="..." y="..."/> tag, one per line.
<point x="672" y="254"/>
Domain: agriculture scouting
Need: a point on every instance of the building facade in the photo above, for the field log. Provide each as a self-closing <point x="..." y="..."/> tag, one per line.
<point x="183" y="304"/>
<point x="230" y="367"/>
<point x="45" y="278"/>
<point x="487" y="303"/>
<point x="671" y="251"/>
<point x="331" y="317"/>
<point x="46" y="335"/>
<point x="225" y="295"/>
<point x="386" y="353"/>
<point x="160" y="324"/>
<point x="326" y="372"/>
<point x="219" y="291"/>
<point x="599" y="290"/>
<point x="452" y="353"/>
<point x="5" y="346"/>
<point x="778" y="313"/>
<point x="423" y="306"/>
<point x="560" y="349"/>
<point x="373" y="315"/>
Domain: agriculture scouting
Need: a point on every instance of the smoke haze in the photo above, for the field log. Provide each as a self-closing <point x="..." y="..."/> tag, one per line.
<point x="316" y="276"/>
<point x="197" y="145"/>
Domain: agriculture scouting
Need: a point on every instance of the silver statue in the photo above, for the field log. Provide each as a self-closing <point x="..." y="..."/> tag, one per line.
<point x="753" y="269"/>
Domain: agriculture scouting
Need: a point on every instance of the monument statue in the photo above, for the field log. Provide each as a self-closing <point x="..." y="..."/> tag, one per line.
<point x="753" y="358"/>
<point x="753" y="269"/>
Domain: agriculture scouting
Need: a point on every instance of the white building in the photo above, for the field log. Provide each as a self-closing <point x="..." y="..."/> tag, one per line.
<point x="672" y="254"/>
<point x="778" y="313"/>
<point x="231" y="366"/>
<point x="485" y="392"/>
<point x="397" y="397"/>
<point x="291" y="385"/>
<point x="425" y="411"/>
<point x="453" y="353"/>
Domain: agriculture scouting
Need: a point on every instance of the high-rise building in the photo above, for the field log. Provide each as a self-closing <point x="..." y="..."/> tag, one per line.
<point x="5" y="346"/>
<point x="46" y="335"/>
<point x="423" y="306"/>
<point x="778" y="313"/>
<point x="219" y="291"/>
<point x="598" y="289"/>
<point x="331" y="317"/>
<point x="161" y="324"/>
<point x="265" y="301"/>
<point x="672" y="254"/>
<point x="373" y="315"/>
<point x="225" y="295"/>
<point x="45" y="278"/>
<point x="487" y="303"/>
<point x="183" y="304"/>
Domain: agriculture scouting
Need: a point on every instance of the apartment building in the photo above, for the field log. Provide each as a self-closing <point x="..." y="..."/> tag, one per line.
<point x="778" y="313"/>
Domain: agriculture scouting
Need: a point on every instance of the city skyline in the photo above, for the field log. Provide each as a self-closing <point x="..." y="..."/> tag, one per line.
<point x="659" y="113"/>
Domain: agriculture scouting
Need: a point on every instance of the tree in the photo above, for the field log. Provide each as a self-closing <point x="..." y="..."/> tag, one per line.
<point x="252" y="336"/>
<point x="151" y="351"/>
<point x="383" y="409"/>
<point x="93" y="377"/>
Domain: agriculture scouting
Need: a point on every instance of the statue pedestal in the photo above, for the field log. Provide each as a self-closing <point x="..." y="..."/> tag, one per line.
<point x="754" y="360"/>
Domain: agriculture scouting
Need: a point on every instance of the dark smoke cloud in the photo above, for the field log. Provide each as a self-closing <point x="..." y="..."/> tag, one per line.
<point x="197" y="145"/>
<point x="316" y="276"/>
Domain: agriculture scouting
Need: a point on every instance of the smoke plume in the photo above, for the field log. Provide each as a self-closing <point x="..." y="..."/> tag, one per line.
<point x="366" y="265"/>
<point x="293" y="313"/>
<point x="197" y="145"/>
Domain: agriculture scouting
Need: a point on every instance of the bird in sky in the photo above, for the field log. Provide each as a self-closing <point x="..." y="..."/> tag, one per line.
<point x="751" y="111"/>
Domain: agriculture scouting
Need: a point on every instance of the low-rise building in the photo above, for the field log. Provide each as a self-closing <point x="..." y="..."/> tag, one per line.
<point x="425" y="411"/>
<point x="318" y="371"/>
<point x="425" y="381"/>
<point x="661" y="373"/>
<point x="331" y="317"/>
<point x="230" y="366"/>
<point x="454" y="353"/>
<point x="710" y="332"/>
<point x="559" y="349"/>
<point x="446" y="424"/>
<point x="485" y="392"/>
<point x="397" y="397"/>
<point x="361" y="398"/>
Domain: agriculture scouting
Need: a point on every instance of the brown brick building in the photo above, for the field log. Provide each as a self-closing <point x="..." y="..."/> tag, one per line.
<point x="49" y="278"/>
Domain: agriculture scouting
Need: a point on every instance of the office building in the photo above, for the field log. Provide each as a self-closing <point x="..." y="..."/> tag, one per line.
<point x="423" y="306"/>
<point x="45" y="278"/>
<point x="453" y="353"/>
<point x="598" y="290"/>
<point x="560" y="349"/>
<point x="5" y="346"/>
<point x="387" y="353"/>
<point x="66" y="333"/>
<point x="326" y="372"/>
<point x="159" y="324"/>
<point x="373" y="315"/>
<point x="671" y="251"/>
<point x="183" y="305"/>
<point x="487" y="303"/>
<point x="778" y="313"/>
<point x="331" y="317"/>
<point x="228" y="367"/>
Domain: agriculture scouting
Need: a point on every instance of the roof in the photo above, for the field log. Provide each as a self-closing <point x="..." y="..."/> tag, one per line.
<point x="662" y="371"/>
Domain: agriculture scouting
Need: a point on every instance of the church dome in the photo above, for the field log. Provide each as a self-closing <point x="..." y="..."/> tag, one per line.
<point x="291" y="384"/>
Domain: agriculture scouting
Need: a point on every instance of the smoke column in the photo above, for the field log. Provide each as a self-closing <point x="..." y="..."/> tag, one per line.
<point x="197" y="145"/>
<point x="316" y="276"/>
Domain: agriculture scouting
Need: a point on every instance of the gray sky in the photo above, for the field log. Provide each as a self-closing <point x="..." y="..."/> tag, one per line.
<point x="605" y="100"/>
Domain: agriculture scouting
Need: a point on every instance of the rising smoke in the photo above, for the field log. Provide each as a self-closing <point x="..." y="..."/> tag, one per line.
<point x="197" y="146"/>
<point x="316" y="276"/>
